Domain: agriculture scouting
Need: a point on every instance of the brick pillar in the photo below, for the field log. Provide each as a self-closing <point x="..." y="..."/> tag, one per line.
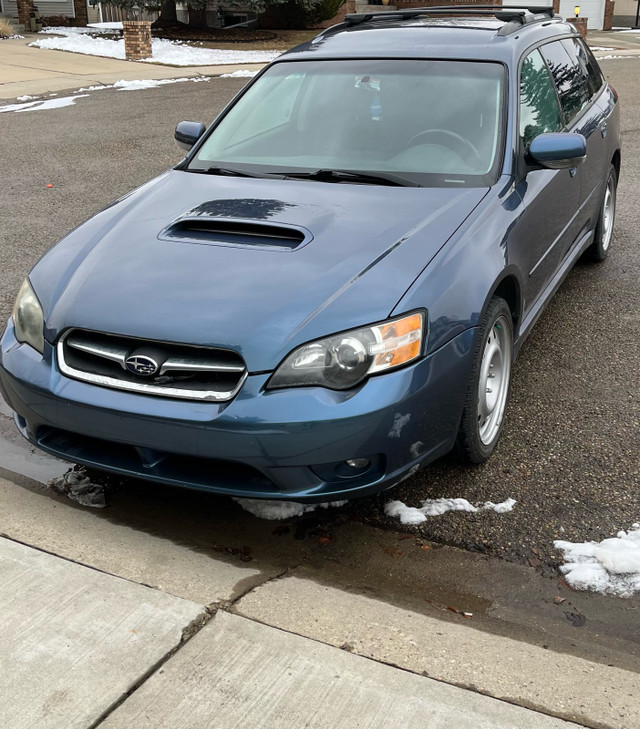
<point x="25" y="8"/>
<point x="137" y="39"/>
<point x="80" y="9"/>
<point x="581" y="25"/>
<point x="609" y="6"/>
<point x="556" y="7"/>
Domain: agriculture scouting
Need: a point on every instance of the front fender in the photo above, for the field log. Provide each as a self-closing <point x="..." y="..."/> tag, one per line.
<point x="459" y="282"/>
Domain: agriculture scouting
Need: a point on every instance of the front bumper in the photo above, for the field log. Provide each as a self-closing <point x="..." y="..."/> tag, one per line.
<point x="284" y="444"/>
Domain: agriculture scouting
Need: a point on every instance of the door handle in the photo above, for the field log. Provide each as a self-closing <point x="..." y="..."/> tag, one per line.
<point x="603" y="129"/>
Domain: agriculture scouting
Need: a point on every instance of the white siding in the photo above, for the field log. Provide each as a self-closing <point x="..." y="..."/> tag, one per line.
<point x="93" y="13"/>
<point x="591" y="9"/>
<point x="47" y="8"/>
<point x="10" y="7"/>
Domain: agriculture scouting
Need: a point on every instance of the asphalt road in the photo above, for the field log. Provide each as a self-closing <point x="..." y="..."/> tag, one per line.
<point x="570" y="452"/>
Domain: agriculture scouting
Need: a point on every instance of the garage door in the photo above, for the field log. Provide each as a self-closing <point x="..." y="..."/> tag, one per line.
<point x="591" y="9"/>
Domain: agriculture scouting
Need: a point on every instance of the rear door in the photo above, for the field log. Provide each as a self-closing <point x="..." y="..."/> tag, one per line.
<point x="584" y="115"/>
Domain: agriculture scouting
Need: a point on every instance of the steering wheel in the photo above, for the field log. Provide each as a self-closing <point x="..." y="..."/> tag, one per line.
<point x="447" y="136"/>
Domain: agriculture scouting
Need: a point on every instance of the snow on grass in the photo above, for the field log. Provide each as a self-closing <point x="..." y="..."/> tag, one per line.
<point x="43" y="104"/>
<point x="171" y="53"/>
<point x="601" y="48"/>
<point x="437" y="507"/>
<point x="607" y="58"/>
<point x="139" y="84"/>
<point x="95" y="28"/>
<point x="611" y="566"/>
<point x="26" y="97"/>
<point x="242" y="73"/>
<point x="266" y="509"/>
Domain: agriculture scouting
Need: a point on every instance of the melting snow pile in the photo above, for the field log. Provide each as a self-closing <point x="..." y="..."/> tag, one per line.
<point x="43" y="104"/>
<point x="611" y="566"/>
<point x="171" y="53"/>
<point x="242" y="73"/>
<point x="265" y="509"/>
<point x="437" y="507"/>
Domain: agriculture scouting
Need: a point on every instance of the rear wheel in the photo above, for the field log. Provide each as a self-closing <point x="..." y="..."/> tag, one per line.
<point x="489" y="382"/>
<point x="599" y="249"/>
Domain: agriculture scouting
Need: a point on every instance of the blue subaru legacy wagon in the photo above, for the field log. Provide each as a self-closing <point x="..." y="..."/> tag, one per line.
<point x="330" y="289"/>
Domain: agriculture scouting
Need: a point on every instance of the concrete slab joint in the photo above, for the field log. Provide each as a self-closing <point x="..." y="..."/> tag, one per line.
<point x="137" y="39"/>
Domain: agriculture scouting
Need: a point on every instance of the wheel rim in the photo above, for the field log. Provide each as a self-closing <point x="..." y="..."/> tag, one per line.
<point x="608" y="213"/>
<point x="493" y="386"/>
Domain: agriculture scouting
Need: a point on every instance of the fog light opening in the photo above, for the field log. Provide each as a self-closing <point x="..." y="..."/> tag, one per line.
<point x="358" y="463"/>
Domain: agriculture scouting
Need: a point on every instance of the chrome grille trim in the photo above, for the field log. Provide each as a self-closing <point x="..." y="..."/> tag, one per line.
<point x="119" y="355"/>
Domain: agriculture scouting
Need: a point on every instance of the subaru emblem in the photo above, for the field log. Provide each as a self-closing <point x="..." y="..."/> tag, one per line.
<point x="139" y="364"/>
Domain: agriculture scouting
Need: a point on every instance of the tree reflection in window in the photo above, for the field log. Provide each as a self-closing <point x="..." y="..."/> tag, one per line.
<point x="539" y="110"/>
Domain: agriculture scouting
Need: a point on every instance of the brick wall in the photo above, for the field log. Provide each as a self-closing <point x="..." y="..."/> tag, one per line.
<point x="347" y="7"/>
<point x="25" y="8"/>
<point x="137" y="39"/>
<point x="609" y="7"/>
<point x="408" y="4"/>
<point x="80" y="9"/>
<point x="581" y="25"/>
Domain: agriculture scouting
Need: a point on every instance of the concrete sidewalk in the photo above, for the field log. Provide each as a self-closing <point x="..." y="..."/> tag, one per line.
<point x="82" y="648"/>
<point x="107" y="624"/>
<point x="35" y="71"/>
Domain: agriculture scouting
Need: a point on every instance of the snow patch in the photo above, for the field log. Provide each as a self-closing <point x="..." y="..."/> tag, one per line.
<point x="93" y="28"/>
<point x="437" y="507"/>
<point x="242" y="73"/>
<point x="611" y="566"/>
<point x="601" y="48"/>
<point x="171" y="53"/>
<point x="266" y="509"/>
<point x="26" y="97"/>
<point x="44" y="104"/>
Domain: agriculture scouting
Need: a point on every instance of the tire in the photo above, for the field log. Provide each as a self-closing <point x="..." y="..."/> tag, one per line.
<point x="486" y="399"/>
<point x="599" y="249"/>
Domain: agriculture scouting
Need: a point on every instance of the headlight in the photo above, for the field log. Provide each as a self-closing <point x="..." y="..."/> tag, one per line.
<point x="343" y="361"/>
<point x="28" y="319"/>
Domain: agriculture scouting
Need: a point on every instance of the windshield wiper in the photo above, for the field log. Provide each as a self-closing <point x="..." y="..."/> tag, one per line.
<point x="228" y="172"/>
<point x="327" y="175"/>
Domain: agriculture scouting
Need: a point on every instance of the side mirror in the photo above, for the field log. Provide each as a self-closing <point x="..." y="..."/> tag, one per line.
<point x="558" y="150"/>
<point x="187" y="133"/>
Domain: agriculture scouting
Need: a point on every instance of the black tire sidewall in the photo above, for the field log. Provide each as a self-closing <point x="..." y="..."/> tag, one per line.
<point x="596" y="251"/>
<point x="469" y="447"/>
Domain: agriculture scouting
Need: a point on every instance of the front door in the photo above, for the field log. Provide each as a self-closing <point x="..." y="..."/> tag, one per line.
<point x="551" y="197"/>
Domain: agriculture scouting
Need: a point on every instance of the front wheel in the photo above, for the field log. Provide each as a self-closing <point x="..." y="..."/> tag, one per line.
<point x="599" y="249"/>
<point x="488" y="388"/>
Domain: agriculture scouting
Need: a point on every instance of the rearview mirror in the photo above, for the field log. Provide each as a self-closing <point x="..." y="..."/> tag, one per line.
<point x="558" y="150"/>
<point x="187" y="133"/>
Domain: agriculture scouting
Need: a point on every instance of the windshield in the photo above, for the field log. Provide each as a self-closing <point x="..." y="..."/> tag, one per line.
<point x="429" y="122"/>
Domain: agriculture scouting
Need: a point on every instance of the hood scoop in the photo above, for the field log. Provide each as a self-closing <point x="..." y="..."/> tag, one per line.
<point x="241" y="233"/>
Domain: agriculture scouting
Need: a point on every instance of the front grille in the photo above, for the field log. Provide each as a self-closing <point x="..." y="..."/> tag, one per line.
<point x="151" y="368"/>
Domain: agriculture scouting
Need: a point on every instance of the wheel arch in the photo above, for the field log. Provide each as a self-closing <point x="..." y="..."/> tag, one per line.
<point x="615" y="161"/>
<point x="508" y="287"/>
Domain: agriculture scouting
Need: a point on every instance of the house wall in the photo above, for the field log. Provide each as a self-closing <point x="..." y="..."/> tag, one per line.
<point x="625" y="13"/>
<point x="47" y="8"/>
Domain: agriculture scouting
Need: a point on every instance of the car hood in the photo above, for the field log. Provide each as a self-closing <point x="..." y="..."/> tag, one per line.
<point x="364" y="246"/>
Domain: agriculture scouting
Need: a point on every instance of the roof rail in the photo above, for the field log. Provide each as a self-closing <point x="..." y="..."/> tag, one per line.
<point x="514" y="16"/>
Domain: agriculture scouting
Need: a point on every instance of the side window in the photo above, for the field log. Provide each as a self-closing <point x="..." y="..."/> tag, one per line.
<point x="569" y="78"/>
<point x="539" y="110"/>
<point x="587" y="63"/>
